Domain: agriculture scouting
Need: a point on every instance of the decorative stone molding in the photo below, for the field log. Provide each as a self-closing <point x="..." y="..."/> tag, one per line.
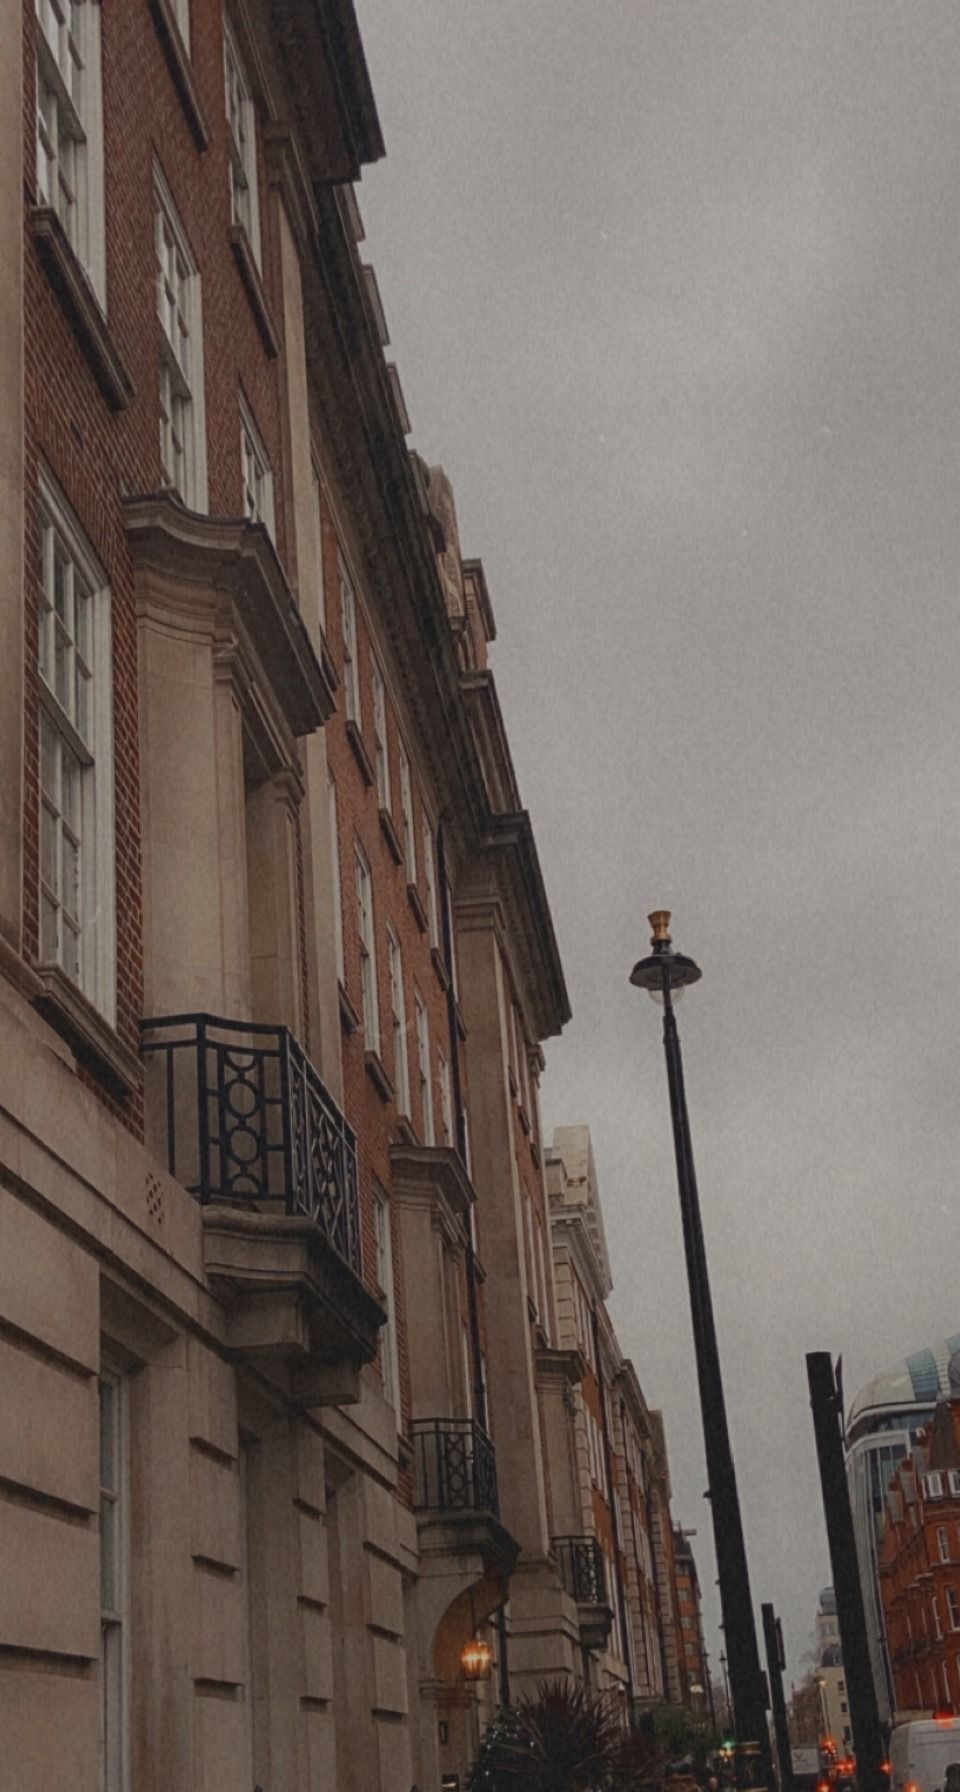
<point x="91" y="1038"/>
<point x="221" y="578"/>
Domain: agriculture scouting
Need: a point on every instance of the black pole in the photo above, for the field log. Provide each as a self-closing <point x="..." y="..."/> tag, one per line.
<point x="773" y="1639"/>
<point x="739" y="1629"/>
<point x="861" y="1693"/>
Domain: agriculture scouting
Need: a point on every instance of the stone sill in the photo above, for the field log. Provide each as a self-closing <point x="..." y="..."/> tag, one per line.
<point x="511" y="1079"/>
<point x="81" y="305"/>
<point x="360" y="754"/>
<point x="349" y="1018"/>
<point x="406" y="1132"/>
<point x="253" y="284"/>
<point x="93" y="1041"/>
<point x="181" y="69"/>
<point x="535" y="1152"/>
<point x="461" y="1023"/>
<point x="437" y="961"/>
<point x="391" y="836"/>
<point x="419" y="912"/>
<point x="378" y="1076"/>
<point x="523" y="1118"/>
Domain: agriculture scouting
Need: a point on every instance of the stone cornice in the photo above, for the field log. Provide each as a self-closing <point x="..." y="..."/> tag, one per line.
<point x="486" y="718"/>
<point x="322" y="54"/>
<point x="188" y="563"/>
<point x="433" y="1173"/>
<point x="567" y="1367"/>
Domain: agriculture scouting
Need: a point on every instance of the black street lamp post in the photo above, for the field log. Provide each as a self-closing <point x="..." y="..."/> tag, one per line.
<point x="664" y="974"/>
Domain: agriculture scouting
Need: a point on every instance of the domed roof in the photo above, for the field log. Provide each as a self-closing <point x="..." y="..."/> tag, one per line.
<point x="918" y="1381"/>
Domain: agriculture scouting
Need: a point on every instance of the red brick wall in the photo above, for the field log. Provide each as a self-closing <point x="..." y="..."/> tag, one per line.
<point x="98" y="457"/>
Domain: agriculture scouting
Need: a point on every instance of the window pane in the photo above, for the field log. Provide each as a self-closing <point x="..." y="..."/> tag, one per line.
<point x="108" y="1442"/>
<point x="49" y="759"/>
<point x="108" y="1555"/>
<point x="48" y="848"/>
<point x="49" y="951"/>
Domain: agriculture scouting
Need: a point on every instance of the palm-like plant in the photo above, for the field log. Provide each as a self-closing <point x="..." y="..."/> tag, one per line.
<point x="565" y="1739"/>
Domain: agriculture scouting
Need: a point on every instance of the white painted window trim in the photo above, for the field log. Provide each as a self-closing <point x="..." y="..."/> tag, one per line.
<point x="334" y="842"/>
<point x="398" y="1009"/>
<point x="423" y="1068"/>
<point x="243" y="146"/>
<point x="115" y="1619"/>
<point x="258" y="503"/>
<point x="380" y="739"/>
<point x="446" y="1100"/>
<point x="181" y="12"/>
<point x="388" y="1345"/>
<point x="80" y="120"/>
<point x="188" y="367"/>
<point x="351" y="668"/>
<point x="368" y="952"/>
<point x="98" y="951"/>
<point x="953" y="1608"/>
<point x="406" y="812"/>
<point x="430" y="878"/>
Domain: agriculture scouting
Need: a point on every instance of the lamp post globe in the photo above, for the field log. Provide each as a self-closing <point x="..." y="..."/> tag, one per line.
<point x="664" y="974"/>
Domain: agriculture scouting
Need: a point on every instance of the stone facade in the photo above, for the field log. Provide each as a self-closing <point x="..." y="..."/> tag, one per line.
<point x="609" y="1482"/>
<point x="285" y="1369"/>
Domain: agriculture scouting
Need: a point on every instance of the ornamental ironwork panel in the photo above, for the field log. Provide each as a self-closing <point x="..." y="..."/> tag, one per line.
<point x="582" y="1569"/>
<point x="455" y="1467"/>
<point x="246" y="1119"/>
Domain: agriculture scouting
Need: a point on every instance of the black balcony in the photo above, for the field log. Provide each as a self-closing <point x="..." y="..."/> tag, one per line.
<point x="454" y="1466"/>
<point x="247" y="1122"/>
<point x="580" y="1560"/>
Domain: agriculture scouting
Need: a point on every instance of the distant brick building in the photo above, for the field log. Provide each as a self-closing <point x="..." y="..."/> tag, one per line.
<point x="694" y="1666"/>
<point x="920" y="1568"/>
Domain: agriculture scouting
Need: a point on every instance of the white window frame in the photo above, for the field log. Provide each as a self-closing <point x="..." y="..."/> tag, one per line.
<point x="179" y="308"/>
<point x="953" y="1608"/>
<point x="424" y="1076"/>
<point x="934" y="1485"/>
<point x="943" y="1542"/>
<point x="430" y="878"/>
<point x="85" y="744"/>
<point x="334" y="839"/>
<point x="256" y="473"/>
<point x="181" y="12"/>
<point x="242" y="142"/>
<point x="366" y="937"/>
<point x="70" y="129"/>
<point x="115" y="1610"/>
<point x="406" y="815"/>
<point x="398" y="1017"/>
<point x="381" y="747"/>
<point x="446" y="1100"/>
<point x="936" y="1621"/>
<point x="351" y="668"/>
<point x="389" y="1352"/>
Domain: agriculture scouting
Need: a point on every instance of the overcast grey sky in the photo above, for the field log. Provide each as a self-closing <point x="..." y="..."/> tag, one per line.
<point x="673" y="292"/>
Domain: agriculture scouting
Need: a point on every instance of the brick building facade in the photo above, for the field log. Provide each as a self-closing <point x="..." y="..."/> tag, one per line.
<point x="920" y="1570"/>
<point x="278" y="1326"/>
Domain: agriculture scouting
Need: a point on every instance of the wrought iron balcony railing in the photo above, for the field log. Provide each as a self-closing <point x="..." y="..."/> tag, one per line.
<point x="246" y="1119"/>
<point x="582" y="1569"/>
<point x="454" y="1467"/>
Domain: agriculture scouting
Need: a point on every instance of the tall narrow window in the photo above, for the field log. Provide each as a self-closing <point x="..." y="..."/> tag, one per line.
<point x="446" y="1100"/>
<point x="953" y="1607"/>
<point x="113" y="1583"/>
<point x="423" y="1069"/>
<point x="256" y="472"/>
<point x="406" y="805"/>
<point x="351" y="670"/>
<point x="241" y="122"/>
<point x="453" y="944"/>
<point x="76" y="759"/>
<point x="398" y="1021"/>
<point x="335" y="866"/>
<point x="381" y="753"/>
<point x="389" y="1357"/>
<point x="183" y="458"/>
<point x="430" y="874"/>
<point x="943" y="1543"/>
<point x="69" y="128"/>
<point x="368" y="957"/>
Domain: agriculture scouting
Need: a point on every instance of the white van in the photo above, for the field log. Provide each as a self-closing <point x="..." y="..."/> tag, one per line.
<point x="921" y="1752"/>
